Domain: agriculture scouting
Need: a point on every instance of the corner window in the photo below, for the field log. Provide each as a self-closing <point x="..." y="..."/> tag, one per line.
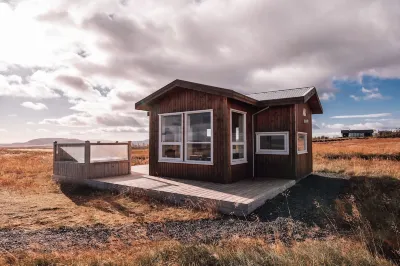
<point x="301" y="143"/>
<point x="238" y="137"/>
<point x="170" y="146"/>
<point x="272" y="143"/>
<point x="199" y="136"/>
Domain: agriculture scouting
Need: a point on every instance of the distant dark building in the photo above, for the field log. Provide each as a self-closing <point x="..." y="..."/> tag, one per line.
<point x="357" y="133"/>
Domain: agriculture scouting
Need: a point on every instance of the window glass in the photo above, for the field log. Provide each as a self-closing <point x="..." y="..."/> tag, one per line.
<point x="171" y="151"/>
<point x="237" y="127"/>
<point x="199" y="127"/>
<point x="171" y="128"/>
<point x="238" y="152"/>
<point x="199" y="152"/>
<point x="301" y="142"/>
<point x="272" y="142"/>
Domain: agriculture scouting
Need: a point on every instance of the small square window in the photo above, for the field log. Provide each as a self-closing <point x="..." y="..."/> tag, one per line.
<point x="301" y="143"/>
<point x="272" y="143"/>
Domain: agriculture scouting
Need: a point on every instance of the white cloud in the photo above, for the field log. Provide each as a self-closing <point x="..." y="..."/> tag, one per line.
<point x="105" y="131"/>
<point x="34" y="106"/>
<point x="74" y="120"/>
<point x="42" y="130"/>
<point x="334" y="126"/>
<point x="112" y="119"/>
<point x="372" y="96"/>
<point x="369" y="94"/>
<point x="326" y="96"/>
<point x="366" y="91"/>
<point x="12" y="115"/>
<point x="362" y="116"/>
<point x="356" y="98"/>
<point x="30" y="123"/>
<point x="3" y="130"/>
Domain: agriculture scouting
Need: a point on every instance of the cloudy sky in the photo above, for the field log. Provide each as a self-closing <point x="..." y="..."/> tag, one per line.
<point x="75" y="68"/>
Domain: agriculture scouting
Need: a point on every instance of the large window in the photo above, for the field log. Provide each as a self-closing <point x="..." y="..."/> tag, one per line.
<point x="238" y="137"/>
<point x="301" y="142"/>
<point x="170" y="137"/>
<point x="272" y="143"/>
<point x="199" y="136"/>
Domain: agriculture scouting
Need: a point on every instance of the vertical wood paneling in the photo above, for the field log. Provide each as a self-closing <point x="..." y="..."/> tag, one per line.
<point x="304" y="161"/>
<point x="244" y="170"/>
<point x="276" y="119"/>
<point x="181" y="100"/>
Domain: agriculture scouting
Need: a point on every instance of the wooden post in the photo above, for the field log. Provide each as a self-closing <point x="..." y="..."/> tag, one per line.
<point x="87" y="159"/>
<point x="130" y="156"/>
<point x="54" y="156"/>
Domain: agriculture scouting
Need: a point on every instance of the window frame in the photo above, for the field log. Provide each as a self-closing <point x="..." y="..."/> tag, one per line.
<point x="160" y="143"/>
<point x="211" y="142"/>
<point x="286" y="151"/>
<point x="244" y="142"/>
<point x="306" y="144"/>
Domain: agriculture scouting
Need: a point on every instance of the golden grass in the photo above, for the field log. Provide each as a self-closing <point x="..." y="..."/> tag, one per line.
<point x="356" y="166"/>
<point x="140" y="156"/>
<point x="227" y="252"/>
<point x="30" y="199"/>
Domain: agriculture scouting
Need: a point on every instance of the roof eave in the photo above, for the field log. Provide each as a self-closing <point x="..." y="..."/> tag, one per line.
<point x="309" y="95"/>
<point x="145" y="103"/>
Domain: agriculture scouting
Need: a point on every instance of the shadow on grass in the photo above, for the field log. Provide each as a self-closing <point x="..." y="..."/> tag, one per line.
<point x="83" y="195"/>
<point x="368" y="207"/>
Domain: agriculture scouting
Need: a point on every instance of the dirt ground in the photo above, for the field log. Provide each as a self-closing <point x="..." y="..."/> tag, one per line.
<point x="38" y="215"/>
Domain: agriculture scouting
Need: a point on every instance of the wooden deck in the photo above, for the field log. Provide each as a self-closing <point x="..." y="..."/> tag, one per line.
<point x="240" y="198"/>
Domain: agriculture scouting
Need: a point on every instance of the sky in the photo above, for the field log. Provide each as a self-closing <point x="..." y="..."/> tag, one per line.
<point x="75" y="69"/>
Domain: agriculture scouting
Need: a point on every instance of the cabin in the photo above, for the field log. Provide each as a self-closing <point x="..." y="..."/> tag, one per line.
<point x="357" y="133"/>
<point x="207" y="133"/>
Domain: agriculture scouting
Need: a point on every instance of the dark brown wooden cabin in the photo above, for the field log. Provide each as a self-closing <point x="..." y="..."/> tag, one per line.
<point x="214" y="134"/>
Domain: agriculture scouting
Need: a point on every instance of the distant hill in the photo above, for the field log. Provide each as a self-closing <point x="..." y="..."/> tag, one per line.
<point x="42" y="142"/>
<point x="48" y="142"/>
<point x="140" y="142"/>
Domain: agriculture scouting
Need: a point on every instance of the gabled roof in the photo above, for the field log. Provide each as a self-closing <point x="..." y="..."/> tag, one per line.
<point x="280" y="94"/>
<point x="262" y="99"/>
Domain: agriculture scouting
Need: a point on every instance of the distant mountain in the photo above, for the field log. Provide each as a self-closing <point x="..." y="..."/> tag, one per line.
<point x="140" y="142"/>
<point x="42" y="142"/>
<point x="48" y="142"/>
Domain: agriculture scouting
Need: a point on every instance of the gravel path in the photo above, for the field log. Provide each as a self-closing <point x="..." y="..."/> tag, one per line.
<point x="297" y="214"/>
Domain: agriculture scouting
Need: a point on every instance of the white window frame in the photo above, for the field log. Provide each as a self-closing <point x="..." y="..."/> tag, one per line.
<point x="244" y="142"/>
<point x="191" y="142"/>
<point x="160" y="143"/>
<point x="267" y="151"/>
<point x="306" y="144"/>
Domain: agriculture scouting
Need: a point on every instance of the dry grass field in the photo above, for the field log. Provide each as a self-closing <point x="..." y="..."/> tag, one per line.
<point x="359" y="157"/>
<point x="30" y="199"/>
<point x="364" y="221"/>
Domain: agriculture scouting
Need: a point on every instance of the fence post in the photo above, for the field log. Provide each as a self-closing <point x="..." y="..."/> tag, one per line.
<point x="87" y="159"/>
<point x="130" y="156"/>
<point x="54" y="156"/>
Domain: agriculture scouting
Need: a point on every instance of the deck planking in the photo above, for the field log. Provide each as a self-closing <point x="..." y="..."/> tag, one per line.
<point x="239" y="198"/>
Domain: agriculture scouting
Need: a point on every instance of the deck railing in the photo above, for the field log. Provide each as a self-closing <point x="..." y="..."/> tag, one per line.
<point x="92" y="160"/>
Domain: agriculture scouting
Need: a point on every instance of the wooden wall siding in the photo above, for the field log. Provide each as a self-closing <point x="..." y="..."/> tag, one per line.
<point x="106" y="169"/>
<point x="180" y="100"/>
<point x="65" y="165"/>
<point x="245" y="170"/>
<point x="97" y="170"/>
<point x="69" y="169"/>
<point x="304" y="161"/>
<point x="275" y="119"/>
